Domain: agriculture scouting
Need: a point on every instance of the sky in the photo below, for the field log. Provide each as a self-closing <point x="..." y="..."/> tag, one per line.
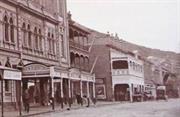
<point x="150" y="23"/>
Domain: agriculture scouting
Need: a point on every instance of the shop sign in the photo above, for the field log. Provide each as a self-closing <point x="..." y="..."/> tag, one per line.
<point x="11" y="75"/>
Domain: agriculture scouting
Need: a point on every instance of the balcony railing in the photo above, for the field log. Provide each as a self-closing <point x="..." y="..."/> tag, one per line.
<point x="77" y="45"/>
<point x="121" y="72"/>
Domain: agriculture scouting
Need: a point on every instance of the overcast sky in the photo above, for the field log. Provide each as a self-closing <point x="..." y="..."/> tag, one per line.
<point x="151" y="23"/>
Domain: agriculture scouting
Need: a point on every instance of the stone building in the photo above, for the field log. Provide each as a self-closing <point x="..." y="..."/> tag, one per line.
<point x="34" y="40"/>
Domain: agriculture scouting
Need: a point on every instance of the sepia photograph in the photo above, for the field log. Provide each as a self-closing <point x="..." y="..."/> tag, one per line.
<point x="89" y="58"/>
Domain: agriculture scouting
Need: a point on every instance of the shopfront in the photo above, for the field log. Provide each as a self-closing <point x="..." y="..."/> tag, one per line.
<point x="10" y="88"/>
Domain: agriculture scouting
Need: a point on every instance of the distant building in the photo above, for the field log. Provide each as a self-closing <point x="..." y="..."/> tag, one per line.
<point x="158" y="71"/>
<point x="119" y="74"/>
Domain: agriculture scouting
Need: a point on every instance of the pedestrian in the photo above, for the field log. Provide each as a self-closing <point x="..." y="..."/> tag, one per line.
<point x="57" y="96"/>
<point x="88" y="102"/>
<point x="26" y="100"/>
<point x="94" y="100"/>
<point x="51" y="102"/>
<point x="78" y="97"/>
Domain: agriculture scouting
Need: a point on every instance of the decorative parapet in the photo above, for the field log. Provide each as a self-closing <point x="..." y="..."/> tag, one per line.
<point x="36" y="9"/>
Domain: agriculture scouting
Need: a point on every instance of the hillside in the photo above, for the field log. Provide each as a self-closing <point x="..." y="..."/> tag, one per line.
<point x="143" y="51"/>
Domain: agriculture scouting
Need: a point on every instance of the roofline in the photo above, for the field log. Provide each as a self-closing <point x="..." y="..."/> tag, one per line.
<point x="126" y="52"/>
<point x="32" y="11"/>
<point x="71" y="23"/>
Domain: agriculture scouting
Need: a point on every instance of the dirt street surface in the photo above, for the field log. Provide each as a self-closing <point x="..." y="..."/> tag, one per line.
<point x="170" y="108"/>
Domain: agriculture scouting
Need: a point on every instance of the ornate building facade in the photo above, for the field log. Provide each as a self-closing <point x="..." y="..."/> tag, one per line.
<point x="82" y="80"/>
<point x="34" y="36"/>
<point x="49" y="50"/>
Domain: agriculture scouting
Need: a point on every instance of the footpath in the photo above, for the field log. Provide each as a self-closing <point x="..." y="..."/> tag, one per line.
<point x="37" y="110"/>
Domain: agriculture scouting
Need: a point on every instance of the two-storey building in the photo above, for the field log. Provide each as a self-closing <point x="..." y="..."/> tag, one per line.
<point x="119" y="73"/>
<point x="81" y="79"/>
<point x="127" y="74"/>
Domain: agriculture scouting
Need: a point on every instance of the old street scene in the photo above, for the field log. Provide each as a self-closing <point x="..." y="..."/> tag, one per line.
<point x="143" y="109"/>
<point x="54" y="62"/>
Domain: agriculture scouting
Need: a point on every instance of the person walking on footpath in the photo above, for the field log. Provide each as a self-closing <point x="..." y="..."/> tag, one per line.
<point x="26" y="100"/>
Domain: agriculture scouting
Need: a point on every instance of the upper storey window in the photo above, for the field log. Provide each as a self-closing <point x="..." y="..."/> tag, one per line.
<point x="78" y="38"/>
<point x="11" y="30"/>
<point x="29" y="36"/>
<point x="51" y="43"/>
<point x="36" y="38"/>
<point x="120" y="64"/>
<point x="40" y="40"/>
<point x="24" y="35"/>
<point x="8" y="29"/>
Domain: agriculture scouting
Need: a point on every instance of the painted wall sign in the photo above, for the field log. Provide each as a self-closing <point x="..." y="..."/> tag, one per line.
<point x="100" y="91"/>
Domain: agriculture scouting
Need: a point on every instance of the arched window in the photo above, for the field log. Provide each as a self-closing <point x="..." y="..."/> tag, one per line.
<point x="49" y="42"/>
<point x="36" y="38"/>
<point x="40" y="39"/>
<point x="24" y="34"/>
<point x="72" y="58"/>
<point x="77" y="61"/>
<point x="53" y="43"/>
<point x="87" y="63"/>
<point x="11" y="30"/>
<point x="6" y="26"/>
<point x="82" y="62"/>
<point x="29" y="36"/>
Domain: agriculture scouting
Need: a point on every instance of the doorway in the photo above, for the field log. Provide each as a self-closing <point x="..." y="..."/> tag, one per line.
<point x="121" y="92"/>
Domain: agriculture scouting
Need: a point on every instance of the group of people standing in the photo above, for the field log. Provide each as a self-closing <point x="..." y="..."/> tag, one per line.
<point x="66" y="100"/>
<point x="58" y="98"/>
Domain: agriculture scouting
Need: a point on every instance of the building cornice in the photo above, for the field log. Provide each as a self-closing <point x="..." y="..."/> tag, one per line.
<point x="33" y="11"/>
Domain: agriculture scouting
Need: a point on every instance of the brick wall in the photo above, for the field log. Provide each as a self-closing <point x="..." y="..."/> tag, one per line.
<point x="102" y="68"/>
